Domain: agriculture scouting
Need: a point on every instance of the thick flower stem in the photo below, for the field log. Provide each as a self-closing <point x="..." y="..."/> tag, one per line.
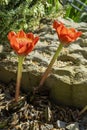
<point x="19" y="76"/>
<point x="51" y="64"/>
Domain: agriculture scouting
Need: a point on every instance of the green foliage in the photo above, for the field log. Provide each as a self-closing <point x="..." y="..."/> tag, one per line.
<point x="83" y="17"/>
<point x="75" y="14"/>
<point x="23" y="14"/>
<point x="52" y="6"/>
<point x="19" y="14"/>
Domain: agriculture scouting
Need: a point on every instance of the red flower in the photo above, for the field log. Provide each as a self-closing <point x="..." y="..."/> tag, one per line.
<point x="66" y="35"/>
<point x="21" y="42"/>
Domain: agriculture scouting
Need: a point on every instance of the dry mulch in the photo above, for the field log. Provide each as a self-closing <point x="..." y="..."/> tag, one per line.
<point x="34" y="111"/>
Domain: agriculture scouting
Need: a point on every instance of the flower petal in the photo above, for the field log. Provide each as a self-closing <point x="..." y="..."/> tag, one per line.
<point x="22" y="50"/>
<point x="21" y="34"/>
<point x="78" y="34"/>
<point x="11" y="34"/>
<point x="14" y="44"/>
<point x="66" y="35"/>
<point x="57" y="24"/>
<point x="35" y="40"/>
<point x="30" y="36"/>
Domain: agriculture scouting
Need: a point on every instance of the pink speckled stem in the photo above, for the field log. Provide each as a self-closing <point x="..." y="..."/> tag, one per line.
<point x="50" y="65"/>
<point x="19" y="76"/>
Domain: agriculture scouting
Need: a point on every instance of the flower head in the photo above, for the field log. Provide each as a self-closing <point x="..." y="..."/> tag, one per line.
<point x="66" y="35"/>
<point x="21" y="42"/>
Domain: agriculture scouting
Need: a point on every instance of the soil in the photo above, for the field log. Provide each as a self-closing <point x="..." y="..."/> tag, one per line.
<point x="34" y="111"/>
